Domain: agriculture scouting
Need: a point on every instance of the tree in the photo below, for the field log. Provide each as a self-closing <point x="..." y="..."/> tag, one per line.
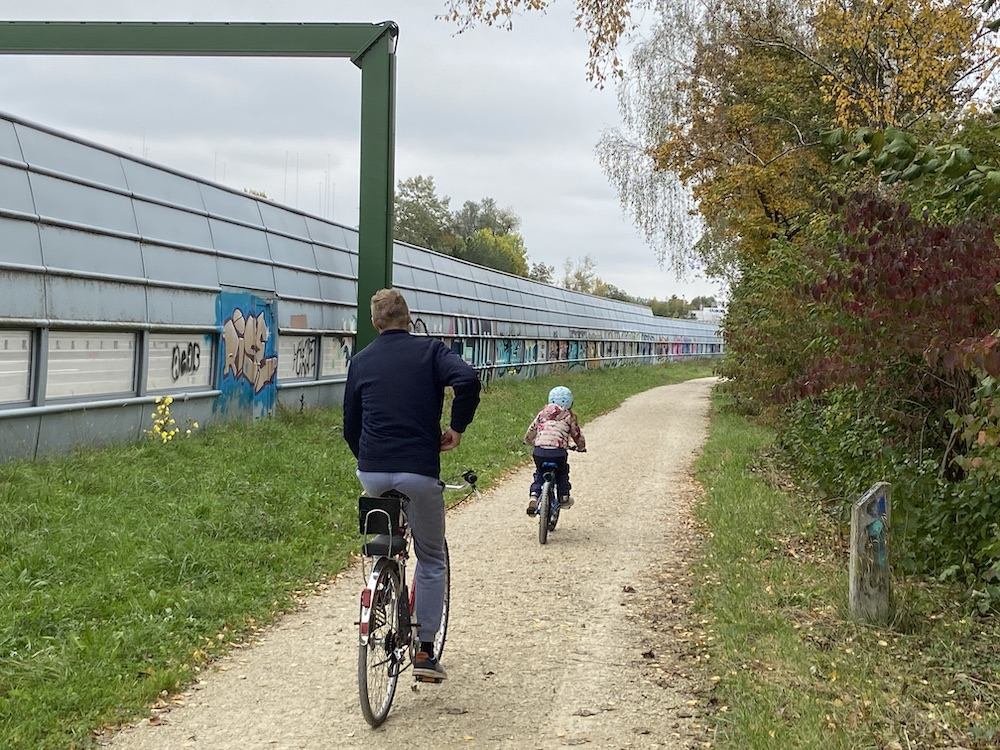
<point x="504" y="252"/>
<point x="472" y="217"/>
<point x="719" y="149"/>
<point x="422" y="218"/>
<point x="542" y="272"/>
<point x="893" y="64"/>
<point x="480" y="232"/>
<point x="605" y="22"/>
<point x="603" y="288"/>
<point x="580" y="276"/>
<point x="699" y="302"/>
<point x="675" y="307"/>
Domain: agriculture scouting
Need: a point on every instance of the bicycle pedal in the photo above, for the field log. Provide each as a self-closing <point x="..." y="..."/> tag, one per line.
<point x="429" y="680"/>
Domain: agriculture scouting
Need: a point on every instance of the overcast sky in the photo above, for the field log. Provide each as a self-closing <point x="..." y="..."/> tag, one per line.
<point x="504" y="114"/>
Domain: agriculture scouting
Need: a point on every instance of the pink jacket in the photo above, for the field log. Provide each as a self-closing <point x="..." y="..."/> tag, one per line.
<point x="554" y="427"/>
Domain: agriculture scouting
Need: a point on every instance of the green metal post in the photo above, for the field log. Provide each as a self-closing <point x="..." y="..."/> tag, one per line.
<point x="378" y="138"/>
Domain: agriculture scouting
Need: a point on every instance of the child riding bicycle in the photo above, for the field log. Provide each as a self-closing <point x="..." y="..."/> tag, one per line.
<point x="551" y="433"/>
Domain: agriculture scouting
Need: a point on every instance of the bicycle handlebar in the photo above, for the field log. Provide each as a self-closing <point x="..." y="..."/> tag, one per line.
<point x="469" y="479"/>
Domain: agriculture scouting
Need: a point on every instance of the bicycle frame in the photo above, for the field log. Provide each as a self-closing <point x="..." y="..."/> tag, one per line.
<point x="398" y="562"/>
<point x="549" y="479"/>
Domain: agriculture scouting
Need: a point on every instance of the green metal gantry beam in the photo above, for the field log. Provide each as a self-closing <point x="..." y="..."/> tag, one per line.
<point x="372" y="47"/>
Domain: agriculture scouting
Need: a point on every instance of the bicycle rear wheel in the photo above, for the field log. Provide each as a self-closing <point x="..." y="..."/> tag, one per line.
<point x="378" y="666"/>
<point x="544" y="503"/>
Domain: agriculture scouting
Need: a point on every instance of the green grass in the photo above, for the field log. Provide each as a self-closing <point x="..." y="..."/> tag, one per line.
<point x="789" y="667"/>
<point x="123" y="570"/>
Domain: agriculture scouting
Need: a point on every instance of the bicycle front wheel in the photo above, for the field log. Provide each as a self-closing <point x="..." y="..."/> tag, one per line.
<point x="544" y="503"/>
<point x="378" y="664"/>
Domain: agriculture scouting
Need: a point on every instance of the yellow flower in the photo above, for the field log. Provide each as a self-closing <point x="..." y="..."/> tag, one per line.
<point x="194" y="425"/>
<point x="158" y="399"/>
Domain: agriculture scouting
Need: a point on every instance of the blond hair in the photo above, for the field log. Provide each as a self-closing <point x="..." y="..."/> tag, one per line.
<point x="389" y="310"/>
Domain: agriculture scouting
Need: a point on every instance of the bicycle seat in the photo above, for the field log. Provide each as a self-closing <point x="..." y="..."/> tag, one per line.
<point x="383" y="544"/>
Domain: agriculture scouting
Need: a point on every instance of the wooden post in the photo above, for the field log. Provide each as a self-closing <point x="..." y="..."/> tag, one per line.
<point x="871" y="578"/>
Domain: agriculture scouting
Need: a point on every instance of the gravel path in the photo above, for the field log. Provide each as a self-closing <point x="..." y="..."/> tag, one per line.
<point x="545" y="645"/>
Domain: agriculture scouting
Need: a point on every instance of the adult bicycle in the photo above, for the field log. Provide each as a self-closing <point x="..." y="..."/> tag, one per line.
<point x="548" y="499"/>
<point x="388" y="636"/>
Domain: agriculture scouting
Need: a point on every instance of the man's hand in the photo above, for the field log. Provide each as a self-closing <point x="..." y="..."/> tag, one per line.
<point x="450" y="440"/>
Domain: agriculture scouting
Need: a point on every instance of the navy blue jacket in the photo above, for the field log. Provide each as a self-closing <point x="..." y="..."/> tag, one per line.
<point x="394" y="399"/>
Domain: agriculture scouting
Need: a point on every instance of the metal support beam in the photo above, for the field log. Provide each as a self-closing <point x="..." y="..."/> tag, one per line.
<point x="190" y="39"/>
<point x="378" y="136"/>
<point x="372" y="47"/>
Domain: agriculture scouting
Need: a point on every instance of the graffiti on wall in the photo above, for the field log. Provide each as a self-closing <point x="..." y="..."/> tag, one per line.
<point x="304" y="357"/>
<point x="185" y="360"/>
<point x="338" y="355"/>
<point x="248" y="355"/>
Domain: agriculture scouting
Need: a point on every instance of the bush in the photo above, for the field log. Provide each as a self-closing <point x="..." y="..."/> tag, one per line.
<point x="946" y="508"/>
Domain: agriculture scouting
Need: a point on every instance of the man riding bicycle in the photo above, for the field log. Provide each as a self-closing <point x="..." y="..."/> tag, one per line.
<point x="392" y="422"/>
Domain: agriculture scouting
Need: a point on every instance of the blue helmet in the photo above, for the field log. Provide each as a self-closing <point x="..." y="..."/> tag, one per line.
<point x="561" y="396"/>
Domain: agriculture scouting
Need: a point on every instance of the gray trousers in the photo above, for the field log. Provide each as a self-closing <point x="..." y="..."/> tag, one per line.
<point x="425" y="515"/>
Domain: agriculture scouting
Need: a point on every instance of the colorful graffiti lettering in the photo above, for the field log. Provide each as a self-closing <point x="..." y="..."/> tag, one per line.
<point x="249" y="360"/>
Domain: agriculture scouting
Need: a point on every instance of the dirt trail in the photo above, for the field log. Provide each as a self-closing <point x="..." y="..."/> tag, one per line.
<point x="545" y="646"/>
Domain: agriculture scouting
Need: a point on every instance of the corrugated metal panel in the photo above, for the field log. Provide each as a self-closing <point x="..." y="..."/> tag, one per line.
<point x="60" y="433"/>
<point x="229" y="205"/>
<point x="280" y="220"/>
<point x="242" y="273"/>
<point x="69" y="157"/>
<point x="335" y="261"/>
<point x="19" y="436"/>
<point x="338" y="290"/>
<point x="326" y="233"/>
<point x="9" y="147"/>
<point x="67" y="201"/>
<point x="165" y="224"/>
<point x="19" y="242"/>
<point x="293" y="252"/>
<point x="296" y="283"/>
<point x="176" y="307"/>
<point x="15" y="190"/>
<point x="148" y="182"/>
<point x="23" y="295"/>
<point x="90" y="300"/>
<point x="239" y="240"/>
<point x="179" y="266"/>
<point x="89" y="252"/>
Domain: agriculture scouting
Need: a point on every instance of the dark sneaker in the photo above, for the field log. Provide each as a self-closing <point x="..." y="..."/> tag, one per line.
<point x="566" y="501"/>
<point x="532" y="505"/>
<point x="427" y="669"/>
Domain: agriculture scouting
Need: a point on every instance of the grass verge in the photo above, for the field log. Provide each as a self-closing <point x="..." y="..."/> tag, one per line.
<point x="122" y="571"/>
<point x="788" y="667"/>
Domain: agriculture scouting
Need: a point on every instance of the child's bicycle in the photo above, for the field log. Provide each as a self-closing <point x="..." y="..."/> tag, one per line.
<point x="548" y="500"/>
<point x="388" y="633"/>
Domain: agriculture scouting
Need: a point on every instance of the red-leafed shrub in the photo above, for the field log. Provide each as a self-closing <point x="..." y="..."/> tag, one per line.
<point x="912" y="304"/>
